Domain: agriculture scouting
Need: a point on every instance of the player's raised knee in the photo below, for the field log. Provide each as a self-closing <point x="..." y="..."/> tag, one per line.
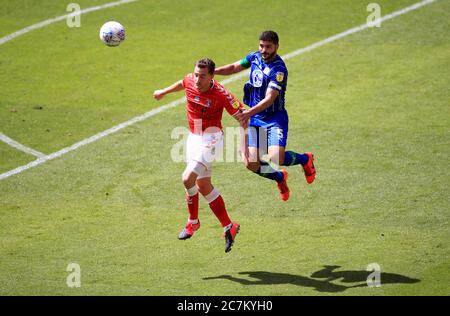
<point x="188" y="178"/>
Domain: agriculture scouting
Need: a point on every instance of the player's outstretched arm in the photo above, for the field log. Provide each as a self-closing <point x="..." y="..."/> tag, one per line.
<point x="177" y="86"/>
<point x="229" y="69"/>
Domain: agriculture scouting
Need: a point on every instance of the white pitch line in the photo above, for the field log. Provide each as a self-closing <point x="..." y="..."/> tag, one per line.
<point x="91" y="139"/>
<point x="180" y="101"/>
<point x="358" y="29"/>
<point x="19" y="146"/>
<point x="39" y="25"/>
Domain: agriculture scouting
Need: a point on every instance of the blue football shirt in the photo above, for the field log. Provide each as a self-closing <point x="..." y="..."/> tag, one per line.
<point x="263" y="76"/>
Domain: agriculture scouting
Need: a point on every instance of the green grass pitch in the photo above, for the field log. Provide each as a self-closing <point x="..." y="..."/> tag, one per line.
<point x="373" y="107"/>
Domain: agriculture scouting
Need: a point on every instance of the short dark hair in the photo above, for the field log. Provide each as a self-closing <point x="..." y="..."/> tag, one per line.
<point x="206" y="63"/>
<point x="269" y="36"/>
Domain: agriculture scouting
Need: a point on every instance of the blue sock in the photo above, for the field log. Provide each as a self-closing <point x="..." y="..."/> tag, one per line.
<point x="266" y="171"/>
<point x="291" y="158"/>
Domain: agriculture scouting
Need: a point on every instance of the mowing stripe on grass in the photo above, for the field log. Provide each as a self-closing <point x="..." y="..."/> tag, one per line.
<point x="19" y="146"/>
<point x="39" y="25"/>
<point x="160" y="109"/>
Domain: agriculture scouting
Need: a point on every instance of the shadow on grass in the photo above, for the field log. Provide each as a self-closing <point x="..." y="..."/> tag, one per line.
<point x="327" y="274"/>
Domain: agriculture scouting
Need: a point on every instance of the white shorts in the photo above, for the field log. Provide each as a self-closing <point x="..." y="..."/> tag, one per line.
<point x="203" y="149"/>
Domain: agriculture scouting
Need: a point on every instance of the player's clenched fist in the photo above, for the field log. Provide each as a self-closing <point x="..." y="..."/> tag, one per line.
<point x="158" y="94"/>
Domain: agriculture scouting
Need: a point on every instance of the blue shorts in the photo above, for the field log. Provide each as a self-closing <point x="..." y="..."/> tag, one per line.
<point x="269" y="132"/>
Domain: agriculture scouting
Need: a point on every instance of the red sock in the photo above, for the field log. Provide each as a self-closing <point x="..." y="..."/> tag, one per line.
<point x="218" y="208"/>
<point x="192" y="206"/>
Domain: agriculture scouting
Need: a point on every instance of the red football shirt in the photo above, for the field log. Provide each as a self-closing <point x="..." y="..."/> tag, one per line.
<point x="208" y="106"/>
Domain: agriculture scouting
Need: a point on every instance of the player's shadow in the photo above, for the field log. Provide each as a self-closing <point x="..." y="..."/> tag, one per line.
<point x="271" y="278"/>
<point x="329" y="273"/>
<point x="319" y="280"/>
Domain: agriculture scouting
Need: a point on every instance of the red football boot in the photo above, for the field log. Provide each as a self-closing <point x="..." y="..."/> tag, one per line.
<point x="283" y="187"/>
<point x="230" y="235"/>
<point x="309" y="169"/>
<point x="188" y="230"/>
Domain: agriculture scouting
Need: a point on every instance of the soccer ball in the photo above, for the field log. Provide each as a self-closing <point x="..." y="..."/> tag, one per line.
<point x="112" y="33"/>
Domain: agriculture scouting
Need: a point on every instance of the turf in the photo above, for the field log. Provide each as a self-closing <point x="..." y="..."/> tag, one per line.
<point x="373" y="107"/>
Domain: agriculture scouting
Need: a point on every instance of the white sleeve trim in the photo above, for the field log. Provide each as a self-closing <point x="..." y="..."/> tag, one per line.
<point x="274" y="85"/>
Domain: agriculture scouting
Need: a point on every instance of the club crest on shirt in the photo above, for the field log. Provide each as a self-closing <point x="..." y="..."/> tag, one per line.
<point x="280" y="76"/>
<point x="257" y="77"/>
<point x="200" y="101"/>
<point x="236" y="104"/>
